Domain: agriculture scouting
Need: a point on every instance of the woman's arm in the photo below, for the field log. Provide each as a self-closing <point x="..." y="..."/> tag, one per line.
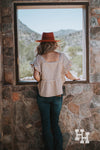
<point x="36" y="75"/>
<point x="70" y="76"/>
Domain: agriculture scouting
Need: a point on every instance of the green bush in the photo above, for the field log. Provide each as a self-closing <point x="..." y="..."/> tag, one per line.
<point x="75" y="54"/>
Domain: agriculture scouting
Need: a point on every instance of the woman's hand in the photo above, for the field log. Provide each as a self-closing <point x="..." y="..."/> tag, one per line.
<point x="71" y="77"/>
<point x="75" y="79"/>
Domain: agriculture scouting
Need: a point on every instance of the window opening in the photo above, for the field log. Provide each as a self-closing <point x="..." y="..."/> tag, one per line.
<point x="69" y="24"/>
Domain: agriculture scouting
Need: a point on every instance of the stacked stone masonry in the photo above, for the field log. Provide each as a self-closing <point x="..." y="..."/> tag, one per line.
<point x="20" y="122"/>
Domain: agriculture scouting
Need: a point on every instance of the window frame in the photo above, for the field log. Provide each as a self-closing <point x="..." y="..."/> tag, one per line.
<point x="49" y="4"/>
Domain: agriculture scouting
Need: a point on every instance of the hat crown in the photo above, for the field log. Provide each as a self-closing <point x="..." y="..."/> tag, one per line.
<point x="48" y="36"/>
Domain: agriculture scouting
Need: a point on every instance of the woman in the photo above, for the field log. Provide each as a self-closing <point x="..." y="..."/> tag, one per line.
<point x="50" y="69"/>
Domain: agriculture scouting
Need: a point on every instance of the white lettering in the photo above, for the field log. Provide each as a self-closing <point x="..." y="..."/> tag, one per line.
<point x="79" y="136"/>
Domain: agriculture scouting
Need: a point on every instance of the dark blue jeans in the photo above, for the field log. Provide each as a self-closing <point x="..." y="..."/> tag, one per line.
<point x="49" y="110"/>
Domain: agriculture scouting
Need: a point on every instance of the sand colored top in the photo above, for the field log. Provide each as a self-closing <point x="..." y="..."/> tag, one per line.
<point x="52" y="75"/>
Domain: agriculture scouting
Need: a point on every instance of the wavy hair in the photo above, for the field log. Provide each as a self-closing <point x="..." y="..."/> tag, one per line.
<point x="45" y="47"/>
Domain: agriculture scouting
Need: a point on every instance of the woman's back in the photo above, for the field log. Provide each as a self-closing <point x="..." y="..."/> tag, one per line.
<point x="51" y="56"/>
<point x="52" y="67"/>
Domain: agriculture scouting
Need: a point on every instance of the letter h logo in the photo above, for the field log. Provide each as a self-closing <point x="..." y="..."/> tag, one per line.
<point x="79" y="136"/>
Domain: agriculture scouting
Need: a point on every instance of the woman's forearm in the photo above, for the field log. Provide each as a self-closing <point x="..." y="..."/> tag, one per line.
<point x="36" y="75"/>
<point x="70" y="76"/>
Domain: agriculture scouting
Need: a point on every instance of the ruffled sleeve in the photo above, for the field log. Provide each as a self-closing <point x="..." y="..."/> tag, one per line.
<point x="66" y="63"/>
<point x="37" y="64"/>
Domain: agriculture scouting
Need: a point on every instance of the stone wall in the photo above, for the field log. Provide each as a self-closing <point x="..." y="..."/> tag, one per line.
<point x="20" y="122"/>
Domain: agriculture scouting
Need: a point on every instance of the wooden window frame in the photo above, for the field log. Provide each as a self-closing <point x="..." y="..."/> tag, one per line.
<point x="20" y="5"/>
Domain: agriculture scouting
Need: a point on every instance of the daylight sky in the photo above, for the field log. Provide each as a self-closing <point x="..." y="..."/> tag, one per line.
<point x="50" y="20"/>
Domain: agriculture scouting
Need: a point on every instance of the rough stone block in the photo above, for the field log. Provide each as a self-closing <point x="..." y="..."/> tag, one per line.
<point x="15" y="96"/>
<point x="6" y="3"/>
<point x="96" y="89"/>
<point x="67" y="99"/>
<point x="96" y="119"/>
<point x="95" y="51"/>
<point x="8" y="41"/>
<point x="7" y="11"/>
<point x="98" y="19"/>
<point x="84" y="111"/>
<point x="83" y="97"/>
<point x="6" y="27"/>
<point x="95" y="77"/>
<point x="73" y="108"/>
<point x="30" y="94"/>
<point x="87" y="125"/>
<point x="0" y="17"/>
<point x="95" y="61"/>
<point x="66" y="137"/>
<point x="94" y="135"/>
<point x="95" y="11"/>
<point x="0" y="28"/>
<point x="6" y="107"/>
<point x="20" y="88"/>
<point x="20" y="134"/>
<point x="7" y="146"/>
<point x="77" y="89"/>
<point x="21" y="146"/>
<point x="8" y="51"/>
<point x="94" y="3"/>
<point x="19" y="112"/>
<point x="75" y="147"/>
<point x="6" y="20"/>
<point x="95" y="43"/>
<point x="6" y="93"/>
<point x="73" y="89"/>
<point x="7" y="129"/>
<point x="93" y="145"/>
<point x="38" y="124"/>
<point x="68" y="120"/>
<point x="96" y="101"/>
<point x="35" y="117"/>
<point x="7" y="139"/>
<point x="95" y="33"/>
<point x="6" y="120"/>
<point x="8" y="61"/>
<point x="93" y="21"/>
<point x="8" y="76"/>
<point x="88" y="87"/>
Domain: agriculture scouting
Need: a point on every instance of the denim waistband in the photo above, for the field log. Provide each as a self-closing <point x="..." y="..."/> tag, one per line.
<point x="51" y="96"/>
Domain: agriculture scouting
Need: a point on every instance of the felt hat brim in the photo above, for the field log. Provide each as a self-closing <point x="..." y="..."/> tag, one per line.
<point x="47" y="40"/>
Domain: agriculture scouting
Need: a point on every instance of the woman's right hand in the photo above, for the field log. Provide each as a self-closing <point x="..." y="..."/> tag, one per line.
<point x="36" y="75"/>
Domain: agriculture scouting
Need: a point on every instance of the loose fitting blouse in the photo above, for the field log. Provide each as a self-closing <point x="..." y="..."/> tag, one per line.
<point x="52" y="75"/>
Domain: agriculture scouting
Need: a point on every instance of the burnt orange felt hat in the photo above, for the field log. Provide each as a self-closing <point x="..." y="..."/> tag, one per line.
<point x="47" y="37"/>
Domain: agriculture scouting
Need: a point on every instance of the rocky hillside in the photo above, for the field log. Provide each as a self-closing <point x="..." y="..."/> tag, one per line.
<point x="25" y="34"/>
<point x="69" y="36"/>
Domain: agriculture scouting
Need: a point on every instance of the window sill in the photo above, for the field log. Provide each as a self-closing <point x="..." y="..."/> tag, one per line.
<point x="34" y="83"/>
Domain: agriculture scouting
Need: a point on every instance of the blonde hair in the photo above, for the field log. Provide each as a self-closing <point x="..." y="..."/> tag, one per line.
<point x="45" y="47"/>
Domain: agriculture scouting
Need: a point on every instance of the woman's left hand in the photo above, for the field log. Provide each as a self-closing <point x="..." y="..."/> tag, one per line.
<point x="75" y="79"/>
